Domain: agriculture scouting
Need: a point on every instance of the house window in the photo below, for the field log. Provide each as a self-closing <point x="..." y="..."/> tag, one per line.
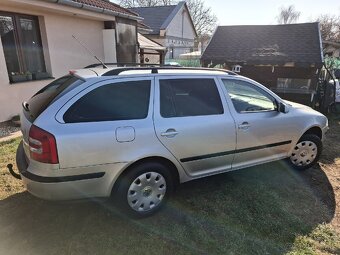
<point x="291" y="83"/>
<point x="236" y="68"/>
<point x="20" y="37"/>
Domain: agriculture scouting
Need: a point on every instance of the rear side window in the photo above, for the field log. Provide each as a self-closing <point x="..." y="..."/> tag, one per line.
<point x="189" y="97"/>
<point x="116" y="101"/>
<point x="44" y="97"/>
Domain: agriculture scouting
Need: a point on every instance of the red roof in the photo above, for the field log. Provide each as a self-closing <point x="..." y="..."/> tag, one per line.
<point x="106" y="5"/>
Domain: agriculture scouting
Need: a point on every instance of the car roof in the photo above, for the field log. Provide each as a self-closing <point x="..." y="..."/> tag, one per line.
<point x="92" y="72"/>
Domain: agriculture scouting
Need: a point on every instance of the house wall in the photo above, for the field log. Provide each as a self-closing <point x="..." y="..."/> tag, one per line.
<point x="180" y="26"/>
<point x="180" y="35"/>
<point x="61" y="52"/>
<point x="268" y="76"/>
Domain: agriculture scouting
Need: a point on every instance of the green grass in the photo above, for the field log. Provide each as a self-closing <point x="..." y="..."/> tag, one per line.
<point x="8" y="185"/>
<point x="268" y="209"/>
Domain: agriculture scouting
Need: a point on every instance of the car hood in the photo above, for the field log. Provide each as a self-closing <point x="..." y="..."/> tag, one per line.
<point x="296" y="105"/>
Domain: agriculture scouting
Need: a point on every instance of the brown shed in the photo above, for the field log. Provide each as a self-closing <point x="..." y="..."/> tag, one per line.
<point x="285" y="58"/>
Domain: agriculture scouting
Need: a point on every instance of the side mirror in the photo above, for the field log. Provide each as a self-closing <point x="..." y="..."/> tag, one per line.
<point x="282" y="107"/>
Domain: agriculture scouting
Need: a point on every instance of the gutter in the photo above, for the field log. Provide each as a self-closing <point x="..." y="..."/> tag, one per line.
<point x="95" y="9"/>
<point x="144" y="30"/>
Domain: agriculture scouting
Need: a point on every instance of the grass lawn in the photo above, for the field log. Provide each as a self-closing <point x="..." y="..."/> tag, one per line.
<point x="269" y="209"/>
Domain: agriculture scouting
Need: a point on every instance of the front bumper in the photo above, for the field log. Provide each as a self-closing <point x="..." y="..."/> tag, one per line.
<point x="86" y="185"/>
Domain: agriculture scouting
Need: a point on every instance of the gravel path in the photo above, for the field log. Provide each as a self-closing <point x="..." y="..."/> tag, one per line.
<point x="7" y="128"/>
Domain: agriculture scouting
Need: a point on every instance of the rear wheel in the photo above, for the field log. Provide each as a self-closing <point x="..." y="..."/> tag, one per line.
<point x="306" y="152"/>
<point x="144" y="189"/>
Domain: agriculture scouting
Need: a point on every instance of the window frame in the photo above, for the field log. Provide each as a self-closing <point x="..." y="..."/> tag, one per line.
<point x="258" y="87"/>
<point x="192" y="77"/>
<point x="19" y="41"/>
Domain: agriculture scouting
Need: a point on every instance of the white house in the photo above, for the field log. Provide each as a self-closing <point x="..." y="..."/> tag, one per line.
<point x="172" y="27"/>
<point x="37" y="43"/>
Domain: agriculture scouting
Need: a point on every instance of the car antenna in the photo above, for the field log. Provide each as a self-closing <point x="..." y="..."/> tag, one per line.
<point x="89" y="51"/>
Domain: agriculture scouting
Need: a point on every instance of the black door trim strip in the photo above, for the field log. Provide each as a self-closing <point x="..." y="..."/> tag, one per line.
<point x="224" y="153"/>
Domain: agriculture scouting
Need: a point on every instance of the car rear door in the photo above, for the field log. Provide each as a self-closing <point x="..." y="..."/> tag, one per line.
<point x="194" y="124"/>
<point x="105" y="123"/>
<point x="263" y="133"/>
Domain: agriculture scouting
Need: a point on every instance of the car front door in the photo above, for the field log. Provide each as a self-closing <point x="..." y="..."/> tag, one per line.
<point x="194" y="124"/>
<point x="263" y="133"/>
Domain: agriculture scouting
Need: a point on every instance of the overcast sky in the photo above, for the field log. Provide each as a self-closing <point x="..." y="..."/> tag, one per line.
<point x="264" y="12"/>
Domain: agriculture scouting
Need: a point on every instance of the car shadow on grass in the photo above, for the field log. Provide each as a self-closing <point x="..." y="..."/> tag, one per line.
<point x="331" y="147"/>
<point x="259" y="210"/>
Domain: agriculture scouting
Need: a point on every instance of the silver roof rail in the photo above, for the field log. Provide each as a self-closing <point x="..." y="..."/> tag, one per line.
<point x="155" y="69"/>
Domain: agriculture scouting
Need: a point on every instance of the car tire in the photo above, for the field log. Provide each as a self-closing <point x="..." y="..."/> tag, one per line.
<point x="306" y="152"/>
<point x="143" y="189"/>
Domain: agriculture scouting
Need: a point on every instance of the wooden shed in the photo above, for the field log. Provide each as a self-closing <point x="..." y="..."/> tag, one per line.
<point x="285" y="58"/>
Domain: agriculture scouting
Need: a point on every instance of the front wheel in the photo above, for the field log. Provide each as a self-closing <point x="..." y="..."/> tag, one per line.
<point x="306" y="152"/>
<point x="144" y="189"/>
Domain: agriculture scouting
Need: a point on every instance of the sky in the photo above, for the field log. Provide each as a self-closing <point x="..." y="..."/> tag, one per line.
<point x="264" y="12"/>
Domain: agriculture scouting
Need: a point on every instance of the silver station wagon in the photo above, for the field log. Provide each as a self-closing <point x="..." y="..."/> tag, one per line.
<point x="135" y="133"/>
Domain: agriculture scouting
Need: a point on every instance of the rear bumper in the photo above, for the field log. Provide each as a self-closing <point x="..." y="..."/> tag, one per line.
<point x="96" y="184"/>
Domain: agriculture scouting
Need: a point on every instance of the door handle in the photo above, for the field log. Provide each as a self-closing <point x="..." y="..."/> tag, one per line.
<point x="244" y="126"/>
<point x="170" y="133"/>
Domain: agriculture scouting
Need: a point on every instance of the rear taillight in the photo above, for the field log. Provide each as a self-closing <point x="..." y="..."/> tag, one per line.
<point x="43" y="147"/>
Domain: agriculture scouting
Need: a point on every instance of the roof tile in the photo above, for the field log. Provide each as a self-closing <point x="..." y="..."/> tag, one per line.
<point x="265" y="44"/>
<point x="154" y="17"/>
<point x="107" y="5"/>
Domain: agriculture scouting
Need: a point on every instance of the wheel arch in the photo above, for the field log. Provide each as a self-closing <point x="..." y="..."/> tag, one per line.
<point x="164" y="161"/>
<point x="315" y="130"/>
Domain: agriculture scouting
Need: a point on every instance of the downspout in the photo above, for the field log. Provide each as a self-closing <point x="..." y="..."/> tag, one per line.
<point x="320" y="40"/>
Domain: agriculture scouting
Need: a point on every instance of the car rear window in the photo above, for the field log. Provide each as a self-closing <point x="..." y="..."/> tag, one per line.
<point x="44" y="97"/>
<point x="116" y="101"/>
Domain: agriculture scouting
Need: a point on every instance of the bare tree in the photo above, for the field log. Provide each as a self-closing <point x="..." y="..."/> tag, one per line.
<point x="288" y="15"/>
<point x="329" y="27"/>
<point x="202" y="16"/>
<point x="145" y="3"/>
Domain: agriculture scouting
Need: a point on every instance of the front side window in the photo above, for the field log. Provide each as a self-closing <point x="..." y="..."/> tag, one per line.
<point x="20" y="37"/>
<point x="116" y="101"/>
<point x="189" y="97"/>
<point x="247" y="97"/>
